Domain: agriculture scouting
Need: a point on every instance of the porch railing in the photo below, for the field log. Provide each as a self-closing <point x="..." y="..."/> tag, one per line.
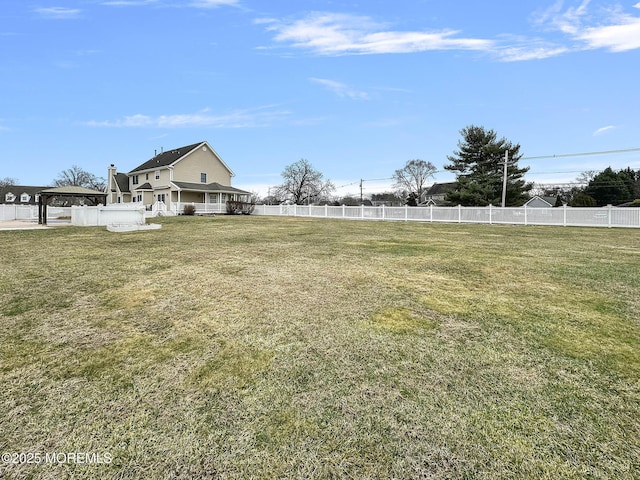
<point x="201" y="208"/>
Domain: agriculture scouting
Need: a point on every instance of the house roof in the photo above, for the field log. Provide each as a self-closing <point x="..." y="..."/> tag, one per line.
<point x="543" y="201"/>
<point x="167" y="158"/>
<point x="210" y="187"/>
<point x="440" y="188"/>
<point x="123" y="182"/>
<point x="18" y="190"/>
<point x="144" y="186"/>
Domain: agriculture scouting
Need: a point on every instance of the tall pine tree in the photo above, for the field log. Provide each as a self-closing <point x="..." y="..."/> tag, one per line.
<point x="479" y="167"/>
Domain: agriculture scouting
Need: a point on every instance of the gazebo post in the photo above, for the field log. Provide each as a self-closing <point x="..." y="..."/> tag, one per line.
<point x="42" y="209"/>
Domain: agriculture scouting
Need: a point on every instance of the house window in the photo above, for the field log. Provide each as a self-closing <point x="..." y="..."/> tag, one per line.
<point x="157" y="174"/>
<point x="203" y="178"/>
<point x="161" y="197"/>
<point x="146" y="176"/>
<point x="25" y="197"/>
<point x="9" y="197"/>
<point x="134" y="179"/>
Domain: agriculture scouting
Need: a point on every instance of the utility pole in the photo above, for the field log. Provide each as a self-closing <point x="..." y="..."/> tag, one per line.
<point x="504" y="180"/>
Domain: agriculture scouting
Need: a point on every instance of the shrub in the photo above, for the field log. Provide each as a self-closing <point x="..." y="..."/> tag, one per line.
<point x="237" y="208"/>
<point x="189" y="210"/>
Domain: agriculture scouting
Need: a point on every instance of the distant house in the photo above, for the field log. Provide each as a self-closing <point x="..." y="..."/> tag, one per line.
<point x="20" y="194"/>
<point x="437" y="192"/>
<point x="541" y="202"/>
<point x="191" y="174"/>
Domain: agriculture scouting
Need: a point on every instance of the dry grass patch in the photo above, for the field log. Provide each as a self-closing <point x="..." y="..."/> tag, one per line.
<point x="255" y="347"/>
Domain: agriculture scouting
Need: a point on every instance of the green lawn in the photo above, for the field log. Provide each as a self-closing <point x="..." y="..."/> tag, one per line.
<point x="258" y="347"/>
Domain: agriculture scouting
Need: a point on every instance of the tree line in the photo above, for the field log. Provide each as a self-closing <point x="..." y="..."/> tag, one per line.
<point x="482" y="179"/>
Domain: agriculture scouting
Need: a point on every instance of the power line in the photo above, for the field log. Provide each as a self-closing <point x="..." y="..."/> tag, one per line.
<point x="364" y="180"/>
<point x="584" y="154"/>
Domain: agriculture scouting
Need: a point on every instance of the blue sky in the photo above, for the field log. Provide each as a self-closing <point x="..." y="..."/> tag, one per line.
<point x="357" y="88"/>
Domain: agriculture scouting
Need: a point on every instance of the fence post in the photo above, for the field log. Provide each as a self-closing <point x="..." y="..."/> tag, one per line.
<point x="490" y="213"/>
<point x="564" y="215"/>
<point x="459" y="213"/>
<point x="609" y="208"/>
<point x="326" y="210"/>
<point x="525" y="215"/>
<point x="406" y="212"/>
<point x="343" y="210"/>
<point x="431" y="213"/>
<point x="295" y="210"/>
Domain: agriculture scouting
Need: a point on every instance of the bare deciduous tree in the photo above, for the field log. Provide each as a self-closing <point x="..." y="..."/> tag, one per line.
<point x="302" y="183"/>
<point x="76" y="176"/>
<point x="413" y="177"/>
<point x="7" y="181"/>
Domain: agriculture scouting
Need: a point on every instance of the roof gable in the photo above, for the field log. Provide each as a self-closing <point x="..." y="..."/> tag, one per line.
<point x="538" y="201"/>
<point x="171" y="157"/>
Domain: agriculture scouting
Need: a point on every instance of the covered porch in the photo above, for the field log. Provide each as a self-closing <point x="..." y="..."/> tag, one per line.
<point x="210" y="198"/>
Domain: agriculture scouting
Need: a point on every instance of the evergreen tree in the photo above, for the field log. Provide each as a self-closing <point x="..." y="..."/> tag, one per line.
<point x="479" y="167"/>
<point x="581" y="199"/>
<point x="611" y="188"/>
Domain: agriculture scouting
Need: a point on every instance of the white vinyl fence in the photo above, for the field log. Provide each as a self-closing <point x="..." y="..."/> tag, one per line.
<point x="561" y="216"/>
<point x="30" y="212"/>
<point x="114" y="214"/>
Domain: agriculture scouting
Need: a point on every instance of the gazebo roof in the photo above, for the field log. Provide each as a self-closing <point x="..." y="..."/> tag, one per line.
<point x="71" y="190"/>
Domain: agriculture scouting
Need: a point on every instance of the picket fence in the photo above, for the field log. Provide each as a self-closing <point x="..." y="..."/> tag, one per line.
<point x="561" y="216"/>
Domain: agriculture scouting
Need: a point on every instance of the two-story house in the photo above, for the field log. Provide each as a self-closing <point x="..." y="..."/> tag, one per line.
<point x="191" y="174"/>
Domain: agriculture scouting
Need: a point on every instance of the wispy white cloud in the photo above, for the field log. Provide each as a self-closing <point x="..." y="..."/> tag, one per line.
<point x="326" y="33"/>
<point x="129" y="3"/>
<point x="257" y="117"/>
<point x="214" y="3"/>
<point x="602" y="130"/>
<point x="564" y="20"/>
<point x="58" y="13"/>
<point x="620" y="37"/>
<point x="341" y="89"/>
<point x="339" y="34"/>
<point x="516" y="49"/>
<point x="608" y="28"/>
<point x="192" y="3"/>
